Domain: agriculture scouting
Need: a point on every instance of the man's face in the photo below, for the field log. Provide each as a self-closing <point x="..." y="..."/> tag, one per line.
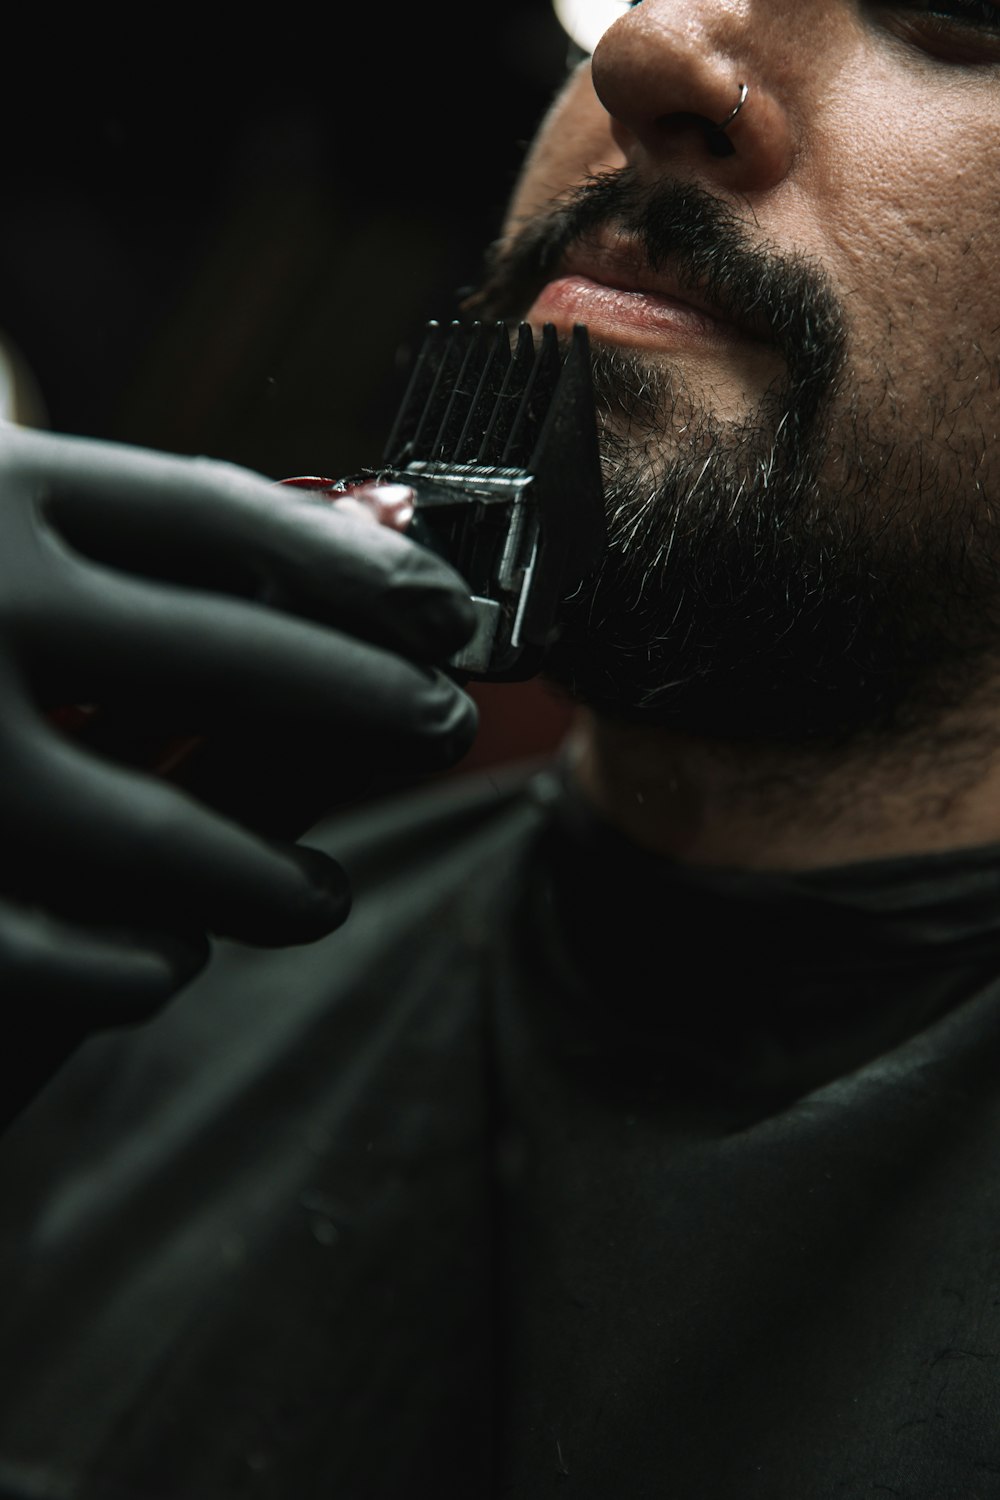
<point x="798" y="358"/>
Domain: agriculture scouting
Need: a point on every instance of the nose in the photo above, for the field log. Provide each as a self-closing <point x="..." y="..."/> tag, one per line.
<point x="670" y="73"/>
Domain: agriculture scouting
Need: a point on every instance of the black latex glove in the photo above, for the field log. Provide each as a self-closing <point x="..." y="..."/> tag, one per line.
<point x="128" y="575"/>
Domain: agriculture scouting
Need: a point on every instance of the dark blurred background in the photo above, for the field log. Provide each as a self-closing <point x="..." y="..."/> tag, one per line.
<point x="231" y="246"/>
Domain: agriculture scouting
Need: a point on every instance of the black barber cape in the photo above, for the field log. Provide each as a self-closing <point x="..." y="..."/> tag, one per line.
<point x="559" y="1170"/>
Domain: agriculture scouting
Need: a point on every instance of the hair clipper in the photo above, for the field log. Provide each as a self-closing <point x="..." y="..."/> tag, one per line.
<point x="498" y="444"/>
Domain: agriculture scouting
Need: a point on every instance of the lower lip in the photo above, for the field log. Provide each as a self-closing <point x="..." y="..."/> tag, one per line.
<point x="636" y="318"/>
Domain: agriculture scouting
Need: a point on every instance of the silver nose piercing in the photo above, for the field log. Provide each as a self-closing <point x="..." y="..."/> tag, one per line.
<point x="744" y="91"/>
<point x="718" y="142"/>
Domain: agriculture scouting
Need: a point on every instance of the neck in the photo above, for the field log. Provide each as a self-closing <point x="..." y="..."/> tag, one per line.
<point x="734" y="806"/>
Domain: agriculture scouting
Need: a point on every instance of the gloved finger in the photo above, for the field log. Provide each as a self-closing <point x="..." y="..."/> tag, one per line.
<point x="379" y="586"/>
<point x="234" y="656"/>
<point x="61" y="981"/>
<point x="88" y="839"/>
<point x="219" y="526"/>
<point x="88" y="977"/>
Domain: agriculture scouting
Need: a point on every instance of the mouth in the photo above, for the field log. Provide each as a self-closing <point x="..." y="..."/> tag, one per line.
<point x="608" y="283"/>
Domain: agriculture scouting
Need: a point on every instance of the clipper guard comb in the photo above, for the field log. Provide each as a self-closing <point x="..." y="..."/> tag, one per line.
<point x="498" y="441"/>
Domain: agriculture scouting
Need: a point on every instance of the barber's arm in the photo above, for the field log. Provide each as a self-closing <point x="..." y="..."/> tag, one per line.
<point x="133" y="576"/>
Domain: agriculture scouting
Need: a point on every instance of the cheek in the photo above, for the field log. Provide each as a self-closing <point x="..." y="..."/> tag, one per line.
<point x="910" y="206"/>
<point x="573" y="142"/>
<point x="911" y="243"/>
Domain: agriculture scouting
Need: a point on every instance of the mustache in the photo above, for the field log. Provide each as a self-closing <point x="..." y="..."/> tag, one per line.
<point x="705" y="242"/>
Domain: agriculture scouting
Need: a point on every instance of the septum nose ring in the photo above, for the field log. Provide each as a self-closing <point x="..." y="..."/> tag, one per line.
<point x="718" y="142"/>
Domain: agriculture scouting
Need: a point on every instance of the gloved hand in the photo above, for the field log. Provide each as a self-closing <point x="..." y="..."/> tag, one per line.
<point x="199" y="590"/>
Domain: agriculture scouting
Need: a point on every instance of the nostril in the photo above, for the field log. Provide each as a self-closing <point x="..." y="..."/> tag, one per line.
<point x="718" y="141"/>
<point x="684" y="123"/>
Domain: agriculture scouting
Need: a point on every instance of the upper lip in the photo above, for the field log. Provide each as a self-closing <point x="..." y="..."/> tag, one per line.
<point x="617" y="260"/>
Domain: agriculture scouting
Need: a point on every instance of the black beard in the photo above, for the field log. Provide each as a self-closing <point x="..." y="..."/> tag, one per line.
<point x="741" y="596"/>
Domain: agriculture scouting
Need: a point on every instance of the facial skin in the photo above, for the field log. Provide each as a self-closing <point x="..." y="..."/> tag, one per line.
<point x="792" y="657"/>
